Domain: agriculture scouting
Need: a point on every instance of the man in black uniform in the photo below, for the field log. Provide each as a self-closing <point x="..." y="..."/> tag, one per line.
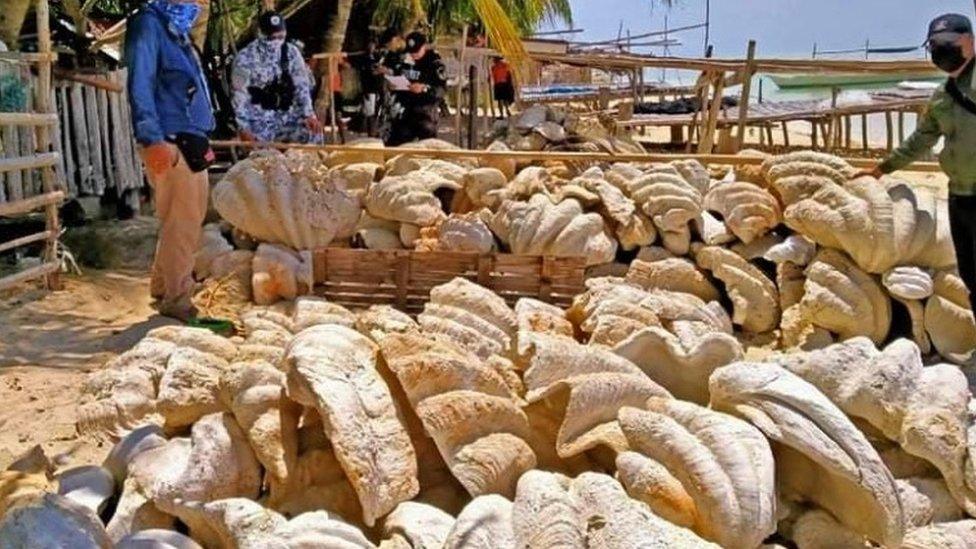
<point x="420" y="113"/>
<point x="370" y="67"/>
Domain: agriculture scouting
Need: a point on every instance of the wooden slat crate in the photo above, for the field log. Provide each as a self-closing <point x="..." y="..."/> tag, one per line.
<point x="404" y="278"/>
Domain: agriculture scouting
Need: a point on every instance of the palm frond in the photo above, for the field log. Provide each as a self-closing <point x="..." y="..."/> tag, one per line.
<point x="502" y="32"/>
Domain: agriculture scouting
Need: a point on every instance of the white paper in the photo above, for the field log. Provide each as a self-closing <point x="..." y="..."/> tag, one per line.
<point x="398" y="83"/>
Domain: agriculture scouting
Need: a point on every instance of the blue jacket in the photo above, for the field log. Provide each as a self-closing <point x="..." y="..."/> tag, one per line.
<point x="167" y="90"/>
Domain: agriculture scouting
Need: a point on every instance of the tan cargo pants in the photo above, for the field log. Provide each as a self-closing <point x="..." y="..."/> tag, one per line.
<point x="181" y="206"/>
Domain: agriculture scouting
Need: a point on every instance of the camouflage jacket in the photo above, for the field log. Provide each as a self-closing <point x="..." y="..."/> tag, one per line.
<point x="257" y="65"/>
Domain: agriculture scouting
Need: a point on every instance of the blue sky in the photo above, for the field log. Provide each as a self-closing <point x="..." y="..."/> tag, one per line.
<point x="781" y="27"/>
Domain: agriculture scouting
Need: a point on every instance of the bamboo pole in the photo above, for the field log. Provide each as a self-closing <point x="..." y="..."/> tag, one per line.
<point x="889" y="131"/>
<point x="27" y="119"/>
<point x="488" y="96"/>
<point x="48" y="270"/>
<point x="43" y="160"/>
<point x="747" y="72"/>
<point x="529" y="156"/>
<point x="834" y="140"/>
<point x="901" y="127"/>
<point x="28" y="57"/>
<point x="813" y="135"/>
<point x="25" y="240"/>
<point x="459" y="91"/>
<point x="864" y="132"/>
<point x="847" y="132"/>
<point x="27" y="205"/>
<point x="331" y="66"/>
<point x="14" y="179"/>
<point x="786" y="134"/>
<point x="48" y="178"/>
<point x="472" y="104"/>
<point x="701" y="93"/>
<point x="825" y="133"/>
<point x="708" y="140"/>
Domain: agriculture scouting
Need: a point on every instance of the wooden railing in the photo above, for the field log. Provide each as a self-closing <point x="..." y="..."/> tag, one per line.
<point x="42" y="159"/>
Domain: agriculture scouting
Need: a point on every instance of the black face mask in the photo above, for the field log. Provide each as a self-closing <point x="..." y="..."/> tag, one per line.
<point x="948" y="57"/>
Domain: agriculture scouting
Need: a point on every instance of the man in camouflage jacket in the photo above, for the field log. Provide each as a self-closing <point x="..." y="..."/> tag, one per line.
<point x="256" y="68"/>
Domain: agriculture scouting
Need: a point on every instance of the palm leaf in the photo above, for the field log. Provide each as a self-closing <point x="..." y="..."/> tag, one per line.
<point x="502" y="32"/>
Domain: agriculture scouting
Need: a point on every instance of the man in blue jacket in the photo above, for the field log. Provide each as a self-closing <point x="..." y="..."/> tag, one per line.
<point x="172" y="117"/>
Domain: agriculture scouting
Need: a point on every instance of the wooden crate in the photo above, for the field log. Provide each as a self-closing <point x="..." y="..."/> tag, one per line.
<point x="404" y="278"/>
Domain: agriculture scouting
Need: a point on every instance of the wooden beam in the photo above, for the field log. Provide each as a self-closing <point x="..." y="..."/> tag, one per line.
<point x="42" y="270"/>
<point x="25" y="240"/>
<point x="708" y="140"/>
<point x="332" y="66"/>
<point x="43" y="160"/>
<point x="901" y="127"/>
<point x="747" y="72"/>
<point x="458" y="93"/>
<point x="847" y="132"/>
<point x="27" y="119"/>
<point x="786" y="134"/>
<point x="472" y="104"/>
<point x="27" y="205"/>
<point x="11" y="150"/>
<point x="889" y="132"/>
<point x="864" y="132"/>
<point x="27" y="57"/>
<point x="89" y="80"/>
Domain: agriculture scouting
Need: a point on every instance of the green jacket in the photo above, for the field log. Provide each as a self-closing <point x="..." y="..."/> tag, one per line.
<point x="943" y="117"/>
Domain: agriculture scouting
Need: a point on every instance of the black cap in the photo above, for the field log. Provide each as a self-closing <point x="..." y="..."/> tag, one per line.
<point x="387" y="35"/>
<point x="415" y="41"/>
<point x="271" y="22"/>
<point x="947" y="28"/>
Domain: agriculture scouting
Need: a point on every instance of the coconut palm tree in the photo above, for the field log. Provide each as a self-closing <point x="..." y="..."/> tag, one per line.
<point x="443" y="16"/>
<point x="12" y="19"/>
<point x="335" y="35"/>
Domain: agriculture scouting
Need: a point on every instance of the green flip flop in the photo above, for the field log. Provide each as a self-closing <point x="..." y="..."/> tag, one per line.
<point x="218" y="326"/>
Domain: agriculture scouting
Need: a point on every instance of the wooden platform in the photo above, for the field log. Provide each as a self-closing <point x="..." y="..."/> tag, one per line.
<point x="780" y="111"/>
<point x="404" y="278"/>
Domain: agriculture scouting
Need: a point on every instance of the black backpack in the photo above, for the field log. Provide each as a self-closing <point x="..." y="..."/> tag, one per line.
<point x="279" y="95"/>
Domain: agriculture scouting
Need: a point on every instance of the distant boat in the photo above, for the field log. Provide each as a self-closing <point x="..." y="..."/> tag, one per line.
<point x="831" y="80"/>
<point x="923" y="86"/>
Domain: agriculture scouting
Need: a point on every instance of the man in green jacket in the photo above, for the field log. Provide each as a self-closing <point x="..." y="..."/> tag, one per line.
<point x="951" y="113"/>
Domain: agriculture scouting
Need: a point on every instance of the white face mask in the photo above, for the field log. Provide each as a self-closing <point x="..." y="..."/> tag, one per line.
<point x="274" y="43"/>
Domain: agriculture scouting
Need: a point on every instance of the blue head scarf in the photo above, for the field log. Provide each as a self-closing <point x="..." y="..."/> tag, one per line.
<point x="181" y="15"/>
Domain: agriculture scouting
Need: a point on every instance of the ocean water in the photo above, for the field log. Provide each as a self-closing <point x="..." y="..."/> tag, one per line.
<point x="781" y="28"/>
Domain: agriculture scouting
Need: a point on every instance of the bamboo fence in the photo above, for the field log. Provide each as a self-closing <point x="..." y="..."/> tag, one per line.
<point x="42" y="158"/>
<point x="99" y="152"/>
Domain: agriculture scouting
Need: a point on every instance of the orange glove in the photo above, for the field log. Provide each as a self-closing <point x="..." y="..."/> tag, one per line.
<point x="159" y="157"/>
<point x="313" y="124"/>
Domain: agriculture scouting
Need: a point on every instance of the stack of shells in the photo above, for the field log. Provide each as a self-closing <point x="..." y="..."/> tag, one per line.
<point x="631" y="419"/>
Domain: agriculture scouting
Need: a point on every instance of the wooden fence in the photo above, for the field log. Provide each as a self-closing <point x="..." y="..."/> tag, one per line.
<point x="41" y="158"/>
<point x="99" y="149"/>
<point x="93" y="136"/>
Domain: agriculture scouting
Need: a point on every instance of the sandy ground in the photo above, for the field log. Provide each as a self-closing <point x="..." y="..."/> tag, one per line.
<point x="49" y="341"/>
